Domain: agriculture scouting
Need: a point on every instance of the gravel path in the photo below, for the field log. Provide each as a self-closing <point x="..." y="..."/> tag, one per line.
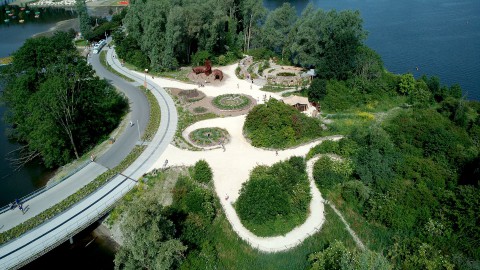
<point x="231" y="168"/>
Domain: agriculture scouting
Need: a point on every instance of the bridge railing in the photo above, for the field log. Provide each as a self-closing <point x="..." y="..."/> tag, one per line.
<point x="45" y="188"/>
<point x="61" y="235"/>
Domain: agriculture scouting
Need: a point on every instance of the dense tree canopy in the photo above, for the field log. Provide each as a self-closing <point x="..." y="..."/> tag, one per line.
<point x="56" y="106"/>
<point x="171" y="33"/>
<point x="149" y="238"/>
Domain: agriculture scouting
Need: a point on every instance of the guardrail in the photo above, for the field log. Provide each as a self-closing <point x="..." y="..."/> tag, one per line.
<point x="37" y="249"/>
<point x="43" y="189"/>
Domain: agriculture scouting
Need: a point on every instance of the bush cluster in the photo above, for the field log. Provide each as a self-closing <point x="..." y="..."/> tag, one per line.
<point x="328" y="172"/>
<point x="278" y="125"/>
<point x="275" y="199"/>
<point x="202" y="172"/>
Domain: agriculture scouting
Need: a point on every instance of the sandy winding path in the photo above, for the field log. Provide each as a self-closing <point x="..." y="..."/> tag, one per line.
<point x="231" y="168"/>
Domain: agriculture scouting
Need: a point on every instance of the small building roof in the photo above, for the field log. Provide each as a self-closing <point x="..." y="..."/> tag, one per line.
<point x="292" y="100"/>
<point x="309" y="73"/>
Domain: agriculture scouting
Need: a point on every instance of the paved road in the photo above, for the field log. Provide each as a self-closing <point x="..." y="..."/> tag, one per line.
<point x="139" y="110"/>
<point x="55" y="231"/>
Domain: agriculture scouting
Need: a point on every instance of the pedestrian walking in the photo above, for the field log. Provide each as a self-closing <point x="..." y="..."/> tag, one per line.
<point x="21" y="208"/>
<point x="238" y="86"/>
<point x="131" y="123"/>
<point x="276" y="153"/>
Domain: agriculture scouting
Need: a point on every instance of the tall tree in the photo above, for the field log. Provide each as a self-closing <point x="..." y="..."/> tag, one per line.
<point x="341" y="34"/>
<point x="56" y="105"/>
<point x="306" y="46"/>
<point x="279" y="24"/>
<point x="85" y="27"/>
<point x="253" y="13"/>
<point x="149" y="238"/>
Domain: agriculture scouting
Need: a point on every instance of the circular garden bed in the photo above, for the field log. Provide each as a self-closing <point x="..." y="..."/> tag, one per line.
<point x="231" y="102"/>
<point x="209" y="136"/>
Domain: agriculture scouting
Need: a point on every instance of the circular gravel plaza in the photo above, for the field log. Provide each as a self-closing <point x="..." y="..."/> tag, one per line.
<point x="231" y="102"/>
<point x="207" y="137"/>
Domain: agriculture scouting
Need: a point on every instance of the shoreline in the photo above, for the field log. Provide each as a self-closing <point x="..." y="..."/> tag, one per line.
<point x="61" y="26"/>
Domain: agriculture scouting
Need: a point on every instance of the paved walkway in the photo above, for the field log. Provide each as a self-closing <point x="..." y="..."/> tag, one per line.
<point x="231" y="168"/>
<point x="51" y="233"/>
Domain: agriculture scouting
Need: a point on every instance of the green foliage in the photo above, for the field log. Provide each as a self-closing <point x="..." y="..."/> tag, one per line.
<point x="426" y="132"/>
<point x="329" y="41"/>
<point x="375" y="159"/>
<point x="286" y="74"/>
<point x="82" y="12"/>
<point x="337" y="256"/>
<point x="407" y="84"/>
<point x="277" y="28"/>
<point x="328" y="172"/>
<point x="261" y="53"/>
<point x="202" y="172"/>
<point x="355" y="192"/>
<point x="317" y="90"/>
<point x="127" y="49"/>
<point x="55" y="103"/>
<point x="275" y="199"/>
<point x="198" y="59"/>
<point x="325" y="147"/>
<point x="277" y="125"/>
<point x="149" y="238"/>
<point x="154" y="118"/>
<point x="339" y="97"/>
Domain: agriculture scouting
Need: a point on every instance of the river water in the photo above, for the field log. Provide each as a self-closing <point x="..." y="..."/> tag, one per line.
<point x="440" y="37"/>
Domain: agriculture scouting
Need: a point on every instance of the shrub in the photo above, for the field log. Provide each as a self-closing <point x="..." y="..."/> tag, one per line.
<point x="328" y="172"/>
<point x="286" y="74"/>
<point x="278" y="125"/>
<point x="200" y="109"/>
<point x="198" y="59"/>
<point x="355" y="192"/>
<point x="202" y="172"/>
<point x="261" y="53"/>
<point x="325" y="147"/>
<point x="275" y="199"/>
<point x="262" y="199"/>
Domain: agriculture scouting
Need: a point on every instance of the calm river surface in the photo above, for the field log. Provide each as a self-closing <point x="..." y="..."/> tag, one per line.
<point x="440" y="37"/>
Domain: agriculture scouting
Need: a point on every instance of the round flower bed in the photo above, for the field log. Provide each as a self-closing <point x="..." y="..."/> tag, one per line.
<point x="231" y="102"/>
<point x="209" y="136"/>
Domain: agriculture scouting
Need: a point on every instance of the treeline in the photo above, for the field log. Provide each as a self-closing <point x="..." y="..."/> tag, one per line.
<point x="57" y="107"/>
<point x="165" y="34"/>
